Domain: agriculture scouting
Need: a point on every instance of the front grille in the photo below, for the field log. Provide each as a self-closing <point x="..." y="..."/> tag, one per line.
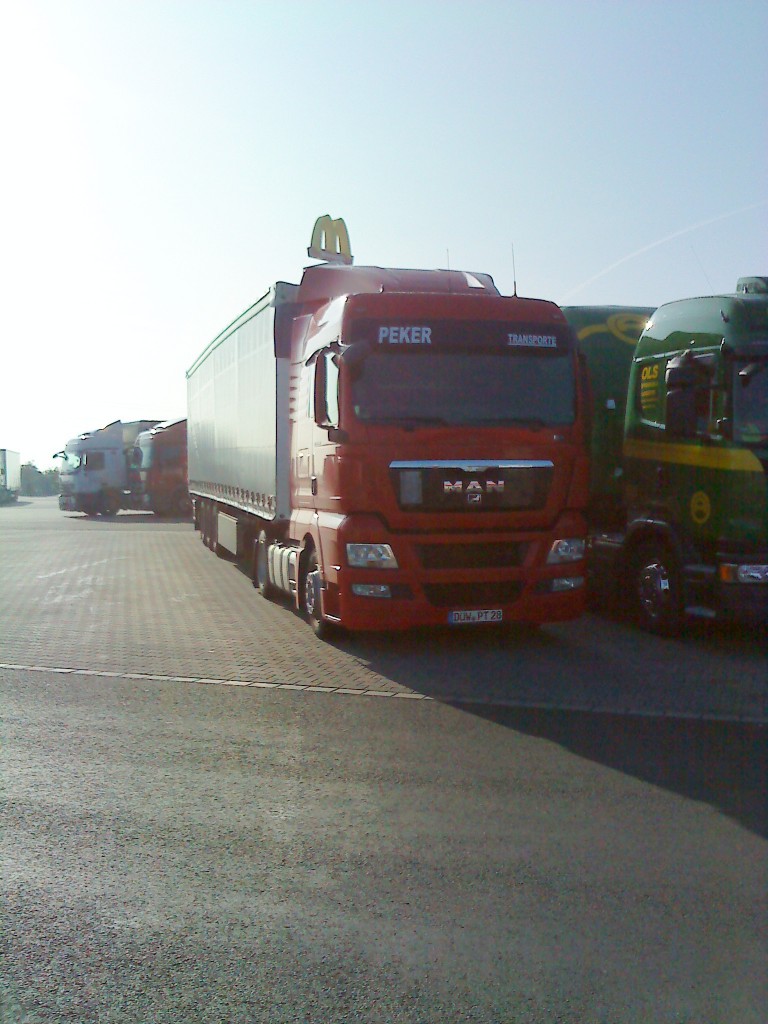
<point x="470" y="556"/>
<point x="472" y="595"/>
<point x="464" y="487"/>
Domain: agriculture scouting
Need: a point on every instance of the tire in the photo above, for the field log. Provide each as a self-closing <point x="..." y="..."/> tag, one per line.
<point x="655" y="589"/>
<point x="310" y="598"/>
<point x="181" y="505"/>
<point x="202" y="522"/>
<point x="110" y="506"/>
<point x="207" y="524"/>
<point x="260" y="574"/>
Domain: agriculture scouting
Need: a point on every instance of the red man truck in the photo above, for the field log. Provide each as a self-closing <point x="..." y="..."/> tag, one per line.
<point x="395" y="448"/>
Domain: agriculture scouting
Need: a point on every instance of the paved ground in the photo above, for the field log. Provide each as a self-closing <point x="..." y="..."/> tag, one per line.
<point x="259" y="851"/>
<point x="137" y="595"/>
<point x="181" y="853"/>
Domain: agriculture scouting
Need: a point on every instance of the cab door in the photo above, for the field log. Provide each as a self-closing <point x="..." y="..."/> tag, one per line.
<point x="302" y="461"/>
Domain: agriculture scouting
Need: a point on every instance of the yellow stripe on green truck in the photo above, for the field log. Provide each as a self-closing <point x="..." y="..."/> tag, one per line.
<point x="730" y="459"/>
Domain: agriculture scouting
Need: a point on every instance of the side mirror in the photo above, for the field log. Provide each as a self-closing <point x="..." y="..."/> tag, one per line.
<point x="680" y="374"/>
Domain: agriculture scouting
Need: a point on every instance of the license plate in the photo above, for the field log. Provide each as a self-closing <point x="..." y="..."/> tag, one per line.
<point x="460" y="618"/>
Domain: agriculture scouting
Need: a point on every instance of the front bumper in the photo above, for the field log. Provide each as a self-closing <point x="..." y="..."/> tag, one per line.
<point x="743" y="602"/>
<point x="371" y="614"/>
<point x="448" y="580"/>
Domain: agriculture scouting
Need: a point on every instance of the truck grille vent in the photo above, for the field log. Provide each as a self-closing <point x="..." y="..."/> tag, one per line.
<point x="472" y="595"/>
<point x="471" y="556"/>
<point x="464" y="487"/>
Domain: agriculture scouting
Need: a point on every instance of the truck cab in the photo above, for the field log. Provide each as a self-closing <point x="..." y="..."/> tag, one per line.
<point x="679" y="496"/>
<point x="696" y="458"/>
<point x="159" y="468"/>
<point x="94" y="469"/>
<point x="443" y="456"/>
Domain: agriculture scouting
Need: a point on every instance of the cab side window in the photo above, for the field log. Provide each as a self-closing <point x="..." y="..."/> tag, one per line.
<point x="693" y="397"/>
<point x="94" y="461"/>
<point x="332" y="388"/>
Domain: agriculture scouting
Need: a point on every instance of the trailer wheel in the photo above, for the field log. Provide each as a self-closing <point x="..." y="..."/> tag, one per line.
<point x="181" y="505"/>
<point x="203" y="522"/>
<point x="209" y="515"/>
<point x="655" y="589"/>
<point x="260" y="571"/>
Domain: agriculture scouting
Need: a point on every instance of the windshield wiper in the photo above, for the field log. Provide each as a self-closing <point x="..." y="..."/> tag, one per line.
<point x="502" y="421"/>
<point x="409" y="422"/>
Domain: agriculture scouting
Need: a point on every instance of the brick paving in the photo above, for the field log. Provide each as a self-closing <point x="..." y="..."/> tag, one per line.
<point x="139" y="596"/>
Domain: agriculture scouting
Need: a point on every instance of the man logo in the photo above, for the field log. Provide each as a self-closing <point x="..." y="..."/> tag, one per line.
<point x="472" y="487"/>
<point x="330" y="241"/>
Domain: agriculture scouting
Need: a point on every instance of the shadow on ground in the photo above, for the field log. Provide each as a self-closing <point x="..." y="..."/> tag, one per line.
<point x="724" y="764"/>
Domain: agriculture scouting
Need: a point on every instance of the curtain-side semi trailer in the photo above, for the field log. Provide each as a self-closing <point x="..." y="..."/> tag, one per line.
<point x="396" y="448"/>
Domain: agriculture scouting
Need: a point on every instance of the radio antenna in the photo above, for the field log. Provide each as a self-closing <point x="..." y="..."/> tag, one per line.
<point x="514" y="272"/>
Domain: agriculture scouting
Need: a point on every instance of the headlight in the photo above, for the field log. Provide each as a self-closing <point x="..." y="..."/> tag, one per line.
<point x="567" y="549"/>
<point x="743" y="573"/>
<point x="371" y="590"/>
<point x="371" y="556"/>
<point x="563" y="583"/>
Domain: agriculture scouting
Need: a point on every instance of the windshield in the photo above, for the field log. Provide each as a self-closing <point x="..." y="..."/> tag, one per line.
<point x="142" y="453"/>
<point x="70" y="462"/>
<point x="463" y="372"/>
<point x="151" y="452"/>
<point x="465" y="388"/>
<point x="750" y="401"/>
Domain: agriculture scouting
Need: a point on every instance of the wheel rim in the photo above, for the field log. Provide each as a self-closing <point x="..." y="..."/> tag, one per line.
<point x="310" y="596"/>
<point x="655" y="590"/>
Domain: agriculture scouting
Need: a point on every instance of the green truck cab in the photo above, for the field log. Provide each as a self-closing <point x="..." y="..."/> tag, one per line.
<point x="679" y="510"/>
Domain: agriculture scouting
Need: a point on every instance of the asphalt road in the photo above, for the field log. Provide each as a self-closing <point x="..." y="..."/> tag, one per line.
<point x="427" y="828"/>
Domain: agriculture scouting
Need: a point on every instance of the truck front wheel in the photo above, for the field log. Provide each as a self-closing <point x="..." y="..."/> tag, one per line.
<point x="310" y="598"/>
<point x="110" y="505"/>
<point x="656" y="590"/>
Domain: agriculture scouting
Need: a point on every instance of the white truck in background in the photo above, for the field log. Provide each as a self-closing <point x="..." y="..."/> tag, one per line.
<point x="95" y="469"/>
<point x="10" y="476"/>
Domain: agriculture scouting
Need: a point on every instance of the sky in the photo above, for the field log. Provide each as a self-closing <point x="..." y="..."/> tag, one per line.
<point x="165" y="160"/>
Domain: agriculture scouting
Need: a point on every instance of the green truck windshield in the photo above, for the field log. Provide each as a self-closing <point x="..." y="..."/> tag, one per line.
<point x="750" y="402"/>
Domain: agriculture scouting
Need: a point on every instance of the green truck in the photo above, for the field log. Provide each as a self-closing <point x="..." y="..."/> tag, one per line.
<point x="679" y="483"/>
